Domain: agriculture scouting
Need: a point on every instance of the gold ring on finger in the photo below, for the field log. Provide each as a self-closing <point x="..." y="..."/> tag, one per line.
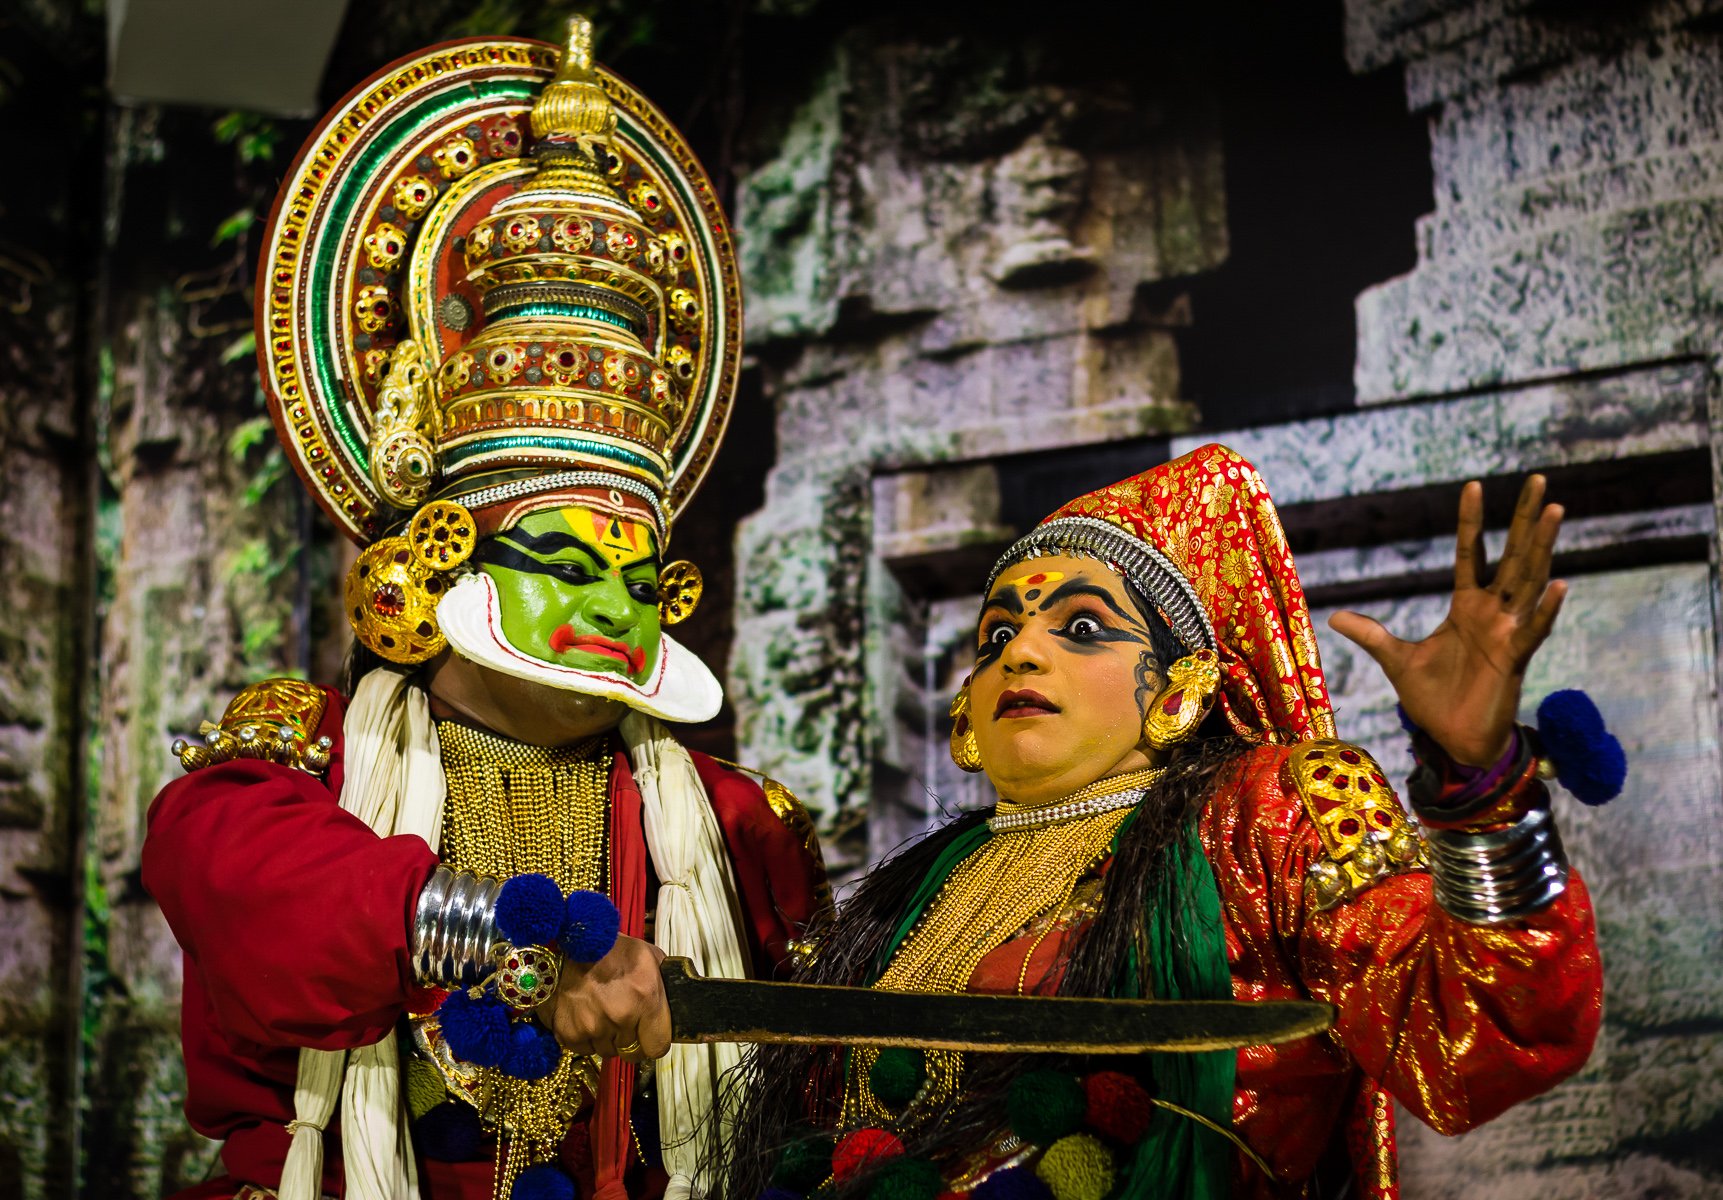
<point x="625" y="1051"/>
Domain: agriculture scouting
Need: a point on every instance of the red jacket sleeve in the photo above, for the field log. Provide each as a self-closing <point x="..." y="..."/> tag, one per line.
<point x="777" y="865"/>
<point x="1458" y="1021"/>
<point x="295" y="914"/>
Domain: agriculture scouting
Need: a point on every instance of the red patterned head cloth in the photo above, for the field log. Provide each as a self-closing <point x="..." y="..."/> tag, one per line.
<point x="1200" y="538"/>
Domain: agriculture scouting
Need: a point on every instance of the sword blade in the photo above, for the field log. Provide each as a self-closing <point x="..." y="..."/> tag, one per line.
<point x="746" y="1010"/>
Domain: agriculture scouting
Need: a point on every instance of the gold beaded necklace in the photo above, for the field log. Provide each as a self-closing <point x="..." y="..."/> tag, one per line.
<point x="515" y="809"/>
<point x="1009" y="881"/>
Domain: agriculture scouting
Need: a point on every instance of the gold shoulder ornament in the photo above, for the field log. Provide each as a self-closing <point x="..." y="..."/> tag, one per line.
<point x="797" y="819"/>
<point x="1364" y="832"/>
<point x="274" y="720"/>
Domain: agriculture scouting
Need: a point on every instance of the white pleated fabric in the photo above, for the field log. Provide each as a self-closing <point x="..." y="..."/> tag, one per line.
<point x="699" y="918"/>
<point x="394" y="783"/>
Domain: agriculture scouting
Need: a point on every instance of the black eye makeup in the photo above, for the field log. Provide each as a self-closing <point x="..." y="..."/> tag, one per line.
<point x="1087" y="630"/>
<point x="994" y="636"/>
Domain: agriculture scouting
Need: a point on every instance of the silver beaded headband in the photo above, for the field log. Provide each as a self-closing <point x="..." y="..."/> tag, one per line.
<point x="517" y="488"/>
<point x="1144" y="568"/>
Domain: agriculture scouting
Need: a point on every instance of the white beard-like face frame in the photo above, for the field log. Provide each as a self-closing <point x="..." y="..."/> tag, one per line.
<point x="681" y="688"/>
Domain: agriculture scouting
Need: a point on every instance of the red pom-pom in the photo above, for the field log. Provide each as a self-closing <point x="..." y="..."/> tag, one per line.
<point x="861" y="1149"/>
<point x="1119" y="1107"/>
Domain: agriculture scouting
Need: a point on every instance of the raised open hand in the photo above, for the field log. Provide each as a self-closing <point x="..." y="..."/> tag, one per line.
<point x="1461" y="685"/>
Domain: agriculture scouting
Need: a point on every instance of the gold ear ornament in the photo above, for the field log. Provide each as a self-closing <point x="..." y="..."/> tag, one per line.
<point x="680" y="586"/>
<point x="442" y="535"/>
<point x="964" y="752"/>
<point x="395" y="584"/>
<point x="1177" y="710"/>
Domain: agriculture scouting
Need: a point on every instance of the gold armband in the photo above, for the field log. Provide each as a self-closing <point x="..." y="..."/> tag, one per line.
<point x="273" y="720"/>
<point x="1365" y="833"/>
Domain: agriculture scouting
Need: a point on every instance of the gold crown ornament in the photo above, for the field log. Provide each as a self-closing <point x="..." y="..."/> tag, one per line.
<point x="496" y="262"/>
<point x="495" y="277"/>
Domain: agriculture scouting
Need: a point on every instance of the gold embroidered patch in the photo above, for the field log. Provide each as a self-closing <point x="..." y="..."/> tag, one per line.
<point x="273" y="720"/>
<point x="1365" y="833"/>
<point x="798" y="821"/>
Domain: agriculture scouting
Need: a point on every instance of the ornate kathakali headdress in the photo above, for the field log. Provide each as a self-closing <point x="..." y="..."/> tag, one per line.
<point x="1200" y="539"/>
<point x="497" y="280"/>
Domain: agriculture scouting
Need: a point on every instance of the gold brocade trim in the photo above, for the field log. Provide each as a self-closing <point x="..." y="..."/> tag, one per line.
<point x="1364" y="832"/>
<point x="1012" y="879"/>
<point x="274" y="719"/>
<point x="515" y="809"/>
<point x="798" y="820"/>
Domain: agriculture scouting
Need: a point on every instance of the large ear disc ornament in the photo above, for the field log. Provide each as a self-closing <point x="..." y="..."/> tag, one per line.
<point x="680" y="586"/>
<point x="442" y="535"/>
<point x="392" y="603"/>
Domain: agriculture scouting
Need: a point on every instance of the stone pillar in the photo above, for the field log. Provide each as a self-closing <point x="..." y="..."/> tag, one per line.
<point x="45" y="509"/>
<point x="200" y="559"/>
<point x="1568" y="282"/>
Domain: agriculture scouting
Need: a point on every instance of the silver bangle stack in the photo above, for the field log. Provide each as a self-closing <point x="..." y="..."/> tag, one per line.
<point x="454" y="928"/>
<point x="1489" y="878"/>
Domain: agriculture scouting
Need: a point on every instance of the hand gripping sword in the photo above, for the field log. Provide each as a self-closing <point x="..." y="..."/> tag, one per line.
<point x="747" y="1010"/>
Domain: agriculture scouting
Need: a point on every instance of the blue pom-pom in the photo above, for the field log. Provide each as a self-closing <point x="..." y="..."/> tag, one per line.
<point x="543" y="1182"/>
<point x="1406" y="722"/>
<point x="450" y="1132"/>
<point x="529" y="910"/>
<point x="1014" y="1183"/>
<point x="531" y="1053"/>
<point x="1588" y="759"/>
<point x="589" y="927"/>
<point x="778" y="1193"/>
<point x="477" y="1031"/>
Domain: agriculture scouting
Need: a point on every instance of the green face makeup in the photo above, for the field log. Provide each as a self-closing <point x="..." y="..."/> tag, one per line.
<point x="578" y="588"/>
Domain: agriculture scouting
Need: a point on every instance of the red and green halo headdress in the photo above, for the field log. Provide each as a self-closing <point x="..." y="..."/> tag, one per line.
<point x="1200" y="539"/>
<point x="496" y="266"/>
<point x="495" y="280"/>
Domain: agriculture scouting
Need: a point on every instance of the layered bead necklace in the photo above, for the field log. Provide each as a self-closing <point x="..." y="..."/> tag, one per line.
<point x="1029" y="868"/>
<point x="1104" y="795"/>
<point x="515" y="809"/>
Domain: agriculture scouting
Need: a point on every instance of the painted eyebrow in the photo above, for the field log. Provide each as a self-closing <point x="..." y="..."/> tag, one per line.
<point x="1082" y="587"/>
<point x="1008" y="599"/>
<point x="548" y="543"/>
<point x="556" y="540"/>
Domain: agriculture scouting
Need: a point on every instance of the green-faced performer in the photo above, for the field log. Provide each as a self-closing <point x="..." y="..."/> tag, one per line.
<point x="498" y="327"/>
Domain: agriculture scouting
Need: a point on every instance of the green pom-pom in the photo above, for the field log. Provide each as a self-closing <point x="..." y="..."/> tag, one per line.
<point x="1044" y="1106"/>
<point x="906" y="1179"/>
<point x="425" y="1088"/>
<point x="1077" y="1167"/>
<point x="805" y="1164"/>
<point x="896" y="1075"/>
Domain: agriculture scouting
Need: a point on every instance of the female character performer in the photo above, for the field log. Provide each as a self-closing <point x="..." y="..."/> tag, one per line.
<point x="1176" y="820"/>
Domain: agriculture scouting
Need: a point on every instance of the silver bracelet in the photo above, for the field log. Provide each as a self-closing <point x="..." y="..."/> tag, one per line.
<point x="454" y="928"/>
<point x="1489" y="878"/>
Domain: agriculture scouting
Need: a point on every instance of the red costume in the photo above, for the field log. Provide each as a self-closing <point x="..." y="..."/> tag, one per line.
<point x="295" y="925"/>
<point x="1483" y="1017"/>
<point x="1459" y="1021"/>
